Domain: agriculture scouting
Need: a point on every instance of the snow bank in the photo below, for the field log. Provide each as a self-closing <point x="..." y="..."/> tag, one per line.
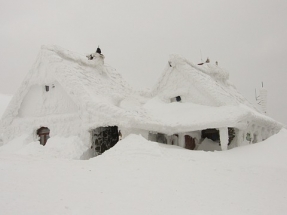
<point x="269" y="153"/>
<point x="134" y="145"/>
<point x="56" y="147"/>
<point x="143" y="177"/>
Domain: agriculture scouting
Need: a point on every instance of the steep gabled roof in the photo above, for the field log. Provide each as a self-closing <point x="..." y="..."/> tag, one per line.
<point x="90" y="84"/>
<point x="206" y="84"/>
<point x="208" y="98"/>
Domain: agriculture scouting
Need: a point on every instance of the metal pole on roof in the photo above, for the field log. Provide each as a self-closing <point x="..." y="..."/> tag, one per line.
<point x="201" y="56"/>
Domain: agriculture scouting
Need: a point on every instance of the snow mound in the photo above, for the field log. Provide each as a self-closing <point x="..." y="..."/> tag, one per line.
<point x="271" y="152"/>
<point x="261" y="154"/>
<point x="209" y="145"/>
<point x="143" y="177"/>
<point x="134" y="145"/>
<point x="56" y="147"/>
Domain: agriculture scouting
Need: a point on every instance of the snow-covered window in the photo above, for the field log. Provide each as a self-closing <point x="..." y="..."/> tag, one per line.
<point x="44" y="135"/>
<point x="157" y="137"/>
<point x="176" y="99"/>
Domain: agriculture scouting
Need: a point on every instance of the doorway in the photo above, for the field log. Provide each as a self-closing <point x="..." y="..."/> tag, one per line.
<point x="189" y="142"/>
<point x="104" y="138"/>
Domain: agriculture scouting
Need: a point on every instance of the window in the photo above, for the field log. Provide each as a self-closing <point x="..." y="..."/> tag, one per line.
<point x="47" y="88"/>
<point x="175" y="99"/>
<point x="178" y="98"/>
<point x="44" y="135"/>
<point x="212" y="134"/>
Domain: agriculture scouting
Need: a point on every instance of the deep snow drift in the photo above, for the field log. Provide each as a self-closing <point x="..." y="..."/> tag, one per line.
<point x="143" y="177"/>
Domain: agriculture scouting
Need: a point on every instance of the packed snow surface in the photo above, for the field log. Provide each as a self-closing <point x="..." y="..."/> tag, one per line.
<point x="143" y="177"/>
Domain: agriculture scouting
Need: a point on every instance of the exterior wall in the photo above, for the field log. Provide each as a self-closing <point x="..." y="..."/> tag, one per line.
<point x="40" y="108"/>
<point x="38" y="102"/>
<point x="62" y="125"/>
<point x="254" y="133"/>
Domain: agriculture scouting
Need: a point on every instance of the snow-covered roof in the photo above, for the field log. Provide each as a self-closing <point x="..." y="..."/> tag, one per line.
<point x="208" y="98"/>
<point x="99" y="91"/>
<point x="90" y="84"/>
<point x="205" y="84"/>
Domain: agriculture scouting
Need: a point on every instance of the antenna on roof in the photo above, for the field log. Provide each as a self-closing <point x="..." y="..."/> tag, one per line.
<point x="256" y="97"/>
<point x="201" y="56"/>
<point x="262" y="98"/>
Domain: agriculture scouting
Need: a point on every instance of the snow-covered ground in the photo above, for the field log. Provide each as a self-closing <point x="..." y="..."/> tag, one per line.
<point x="142" y="177"/>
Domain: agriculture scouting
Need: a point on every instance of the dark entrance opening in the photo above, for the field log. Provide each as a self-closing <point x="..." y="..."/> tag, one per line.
<point x="104" y="138"/>
<point x="44" y="134"/>
<point x="189" y="142"/>
<point x="212" y="134"/>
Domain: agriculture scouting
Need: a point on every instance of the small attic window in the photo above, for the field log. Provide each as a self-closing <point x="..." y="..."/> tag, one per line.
<point x="47" y="88"/>
<point x="175" y="99"/>
<point x="178" y="98"/>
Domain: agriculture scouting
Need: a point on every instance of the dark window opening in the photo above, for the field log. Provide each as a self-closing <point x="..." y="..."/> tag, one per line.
<point x="104" y="138"/>
<point x="47" y="88"/>
<point x="231" y="135"/>
<point x="175" y="99"/>
<point x="44" y="135"/>
<point x="157" y="137"/>
<point x="213" y="134"/>
<point x="160" y="138"/>
<point x="189" y="142"/>
<point x="178" y="98"/>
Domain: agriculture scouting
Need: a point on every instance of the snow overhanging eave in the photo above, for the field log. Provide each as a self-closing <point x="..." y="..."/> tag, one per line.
<point x="174" y="129"/>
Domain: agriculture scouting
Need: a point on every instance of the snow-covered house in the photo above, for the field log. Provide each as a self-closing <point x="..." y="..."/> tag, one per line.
<point x="192" y="106"/>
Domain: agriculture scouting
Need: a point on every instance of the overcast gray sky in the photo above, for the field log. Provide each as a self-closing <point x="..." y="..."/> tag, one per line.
<point x="246" y="37"/>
